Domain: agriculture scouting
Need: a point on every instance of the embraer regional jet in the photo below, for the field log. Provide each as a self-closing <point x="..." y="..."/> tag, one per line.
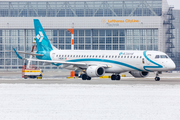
<point x="95" y="63"/>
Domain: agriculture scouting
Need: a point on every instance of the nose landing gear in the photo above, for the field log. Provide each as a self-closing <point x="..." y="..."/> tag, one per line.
<point x="157" y="78"/>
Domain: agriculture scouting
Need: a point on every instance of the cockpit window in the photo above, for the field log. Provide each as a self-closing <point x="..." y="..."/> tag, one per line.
<point x="164" y="56"/>
<point x="157" y="56"/>
<point x="161" y="56"/>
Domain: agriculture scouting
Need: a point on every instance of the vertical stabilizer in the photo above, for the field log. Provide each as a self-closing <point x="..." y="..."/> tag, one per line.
<point x="42" y="41"/>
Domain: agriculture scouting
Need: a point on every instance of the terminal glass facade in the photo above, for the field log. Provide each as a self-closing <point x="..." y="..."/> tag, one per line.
<point x="81" y="8"/>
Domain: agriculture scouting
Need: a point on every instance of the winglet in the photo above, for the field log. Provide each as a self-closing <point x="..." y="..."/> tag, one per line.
<point x="17" y="54"/>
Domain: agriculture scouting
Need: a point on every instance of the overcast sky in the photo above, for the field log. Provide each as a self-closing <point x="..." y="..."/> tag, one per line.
<point x="176" y="3"/>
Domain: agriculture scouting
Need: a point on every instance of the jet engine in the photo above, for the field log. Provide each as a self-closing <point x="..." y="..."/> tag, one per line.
<point x="95" y="71"/>
<point x="139" y="74"/>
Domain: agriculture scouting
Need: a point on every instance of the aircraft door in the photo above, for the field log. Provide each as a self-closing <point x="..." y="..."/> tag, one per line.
<point x="143" y="62"/>
<point x="147" y="62"/>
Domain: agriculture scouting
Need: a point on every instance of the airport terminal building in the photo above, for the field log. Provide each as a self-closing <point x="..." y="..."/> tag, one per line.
<point x="98" y="25"/>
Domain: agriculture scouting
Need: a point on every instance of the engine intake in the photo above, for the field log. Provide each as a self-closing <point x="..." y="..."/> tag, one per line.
<point x="95" y="71"/>
<point x="139" y="74"/>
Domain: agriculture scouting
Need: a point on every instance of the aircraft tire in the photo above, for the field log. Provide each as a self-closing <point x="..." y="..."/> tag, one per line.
<point x="157" y="78"/>
<point x="113" y="77"/>
<point x="88" y="78"/>
<point x="118" y="77"/>
<point x="84" y="77"/>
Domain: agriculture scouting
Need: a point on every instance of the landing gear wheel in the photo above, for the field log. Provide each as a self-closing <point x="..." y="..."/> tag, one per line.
<point x="88" y="78"/>
<point x="25" y="77"/>
<point x="113" y="77"/>
<point x="84" y="77"/>
<point x="118" y="77"/>
<point x="157" y="78"/>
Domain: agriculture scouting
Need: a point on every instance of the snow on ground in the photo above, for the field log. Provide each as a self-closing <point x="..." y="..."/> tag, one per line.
<point x="89" y="102"/>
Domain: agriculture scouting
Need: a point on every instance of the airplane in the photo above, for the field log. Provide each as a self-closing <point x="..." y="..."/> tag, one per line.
<point x="95" y="63"/>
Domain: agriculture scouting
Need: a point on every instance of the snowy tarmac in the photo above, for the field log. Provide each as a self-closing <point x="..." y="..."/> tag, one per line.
<point x="61" y="78"/>
<point x="127" y="81"/>
<point x="58" y="98"/>
<point x="89" y="102"/>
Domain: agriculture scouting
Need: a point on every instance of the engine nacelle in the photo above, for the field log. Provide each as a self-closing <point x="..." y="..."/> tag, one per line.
<point x="95" y="71"/>
<point x="139" y="74"/>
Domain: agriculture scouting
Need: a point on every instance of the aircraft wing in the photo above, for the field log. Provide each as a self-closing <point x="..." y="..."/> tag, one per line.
<point x="59" y="62"/>
<point x="71" y="63"/>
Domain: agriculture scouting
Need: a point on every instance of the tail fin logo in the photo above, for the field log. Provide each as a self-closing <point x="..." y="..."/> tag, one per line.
<point x="40" y="36"/>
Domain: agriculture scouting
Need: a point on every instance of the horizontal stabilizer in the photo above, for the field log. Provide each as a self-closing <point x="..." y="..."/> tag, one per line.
<point x="26" y="53"/>
<point x="18" y="55"/>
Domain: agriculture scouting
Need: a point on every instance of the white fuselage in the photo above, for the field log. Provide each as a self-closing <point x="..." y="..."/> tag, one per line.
<point x="117" y="61"/>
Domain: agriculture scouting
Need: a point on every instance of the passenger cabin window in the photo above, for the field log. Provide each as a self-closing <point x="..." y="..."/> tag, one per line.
<point x="118" y="56"/>
<point x="134" y="56"/>
<point x="131" y="56"/>
<point x="127" y="56"/>
<point x="121" y="56"/>
<point x="56" y="55"/>
<point x="124" y="56"/>
<point x="140" y="56"/>
<point x="71" y="55"/>
<point x="59" y="55"/>
<point x="137" y="56"/>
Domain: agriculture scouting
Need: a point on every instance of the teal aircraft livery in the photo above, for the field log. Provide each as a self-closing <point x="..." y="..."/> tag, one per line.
<point x="95" y="63"/>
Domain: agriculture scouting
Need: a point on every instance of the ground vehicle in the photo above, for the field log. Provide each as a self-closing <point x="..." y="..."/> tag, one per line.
<point x="31" y="72"/>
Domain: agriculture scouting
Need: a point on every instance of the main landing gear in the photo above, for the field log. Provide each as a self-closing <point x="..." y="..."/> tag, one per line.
<point x="157" y="78"/>
<point x="115" y="77"/>
<point x="85" y="77"/>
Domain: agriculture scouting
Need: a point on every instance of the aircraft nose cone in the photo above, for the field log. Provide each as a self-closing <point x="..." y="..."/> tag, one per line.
<point x="172" y="66"/>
